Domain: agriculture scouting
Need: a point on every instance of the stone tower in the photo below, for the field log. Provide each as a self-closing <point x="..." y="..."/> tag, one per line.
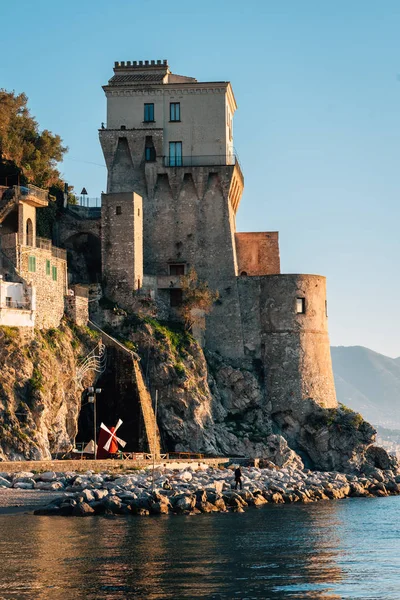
<point x="169" y="138"/>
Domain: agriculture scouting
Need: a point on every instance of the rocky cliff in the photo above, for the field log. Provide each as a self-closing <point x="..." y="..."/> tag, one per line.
<point x="208" y="405"/>
<point x="205" y="405"/>
<point x="39" y="401"/>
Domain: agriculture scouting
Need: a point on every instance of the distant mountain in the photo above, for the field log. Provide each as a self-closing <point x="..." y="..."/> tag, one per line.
<point x="368" y="383"/>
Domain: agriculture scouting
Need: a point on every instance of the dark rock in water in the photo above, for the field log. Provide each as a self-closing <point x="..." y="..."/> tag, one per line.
<point x="48" y="511"/>
<point x="142" y="512"/>
<point x="112" y="503"/>
<point x="82" y="510"/>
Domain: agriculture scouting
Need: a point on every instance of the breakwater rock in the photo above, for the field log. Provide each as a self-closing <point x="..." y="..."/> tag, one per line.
<point x="198" y="489"/>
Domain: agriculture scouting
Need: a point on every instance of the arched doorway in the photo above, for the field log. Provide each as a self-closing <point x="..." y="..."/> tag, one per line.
<point x="29" y="232"/>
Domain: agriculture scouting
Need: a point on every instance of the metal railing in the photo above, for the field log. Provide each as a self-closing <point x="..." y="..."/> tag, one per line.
<point x="16" y="304"/>
<point x="85" y="212"/>
<point x="26" y="191"/>
<point x="210" y="160"/>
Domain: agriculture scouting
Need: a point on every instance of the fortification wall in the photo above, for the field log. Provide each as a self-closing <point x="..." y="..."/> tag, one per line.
<point x="294" y="347"/>
<point x="258" y="253"/>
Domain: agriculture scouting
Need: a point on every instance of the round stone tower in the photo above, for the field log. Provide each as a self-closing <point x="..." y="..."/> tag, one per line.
<point x="295" y="341"/>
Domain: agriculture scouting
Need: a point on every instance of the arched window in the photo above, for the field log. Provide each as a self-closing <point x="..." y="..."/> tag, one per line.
<point x="243" y="274"/>
<point x="29" y="233"/>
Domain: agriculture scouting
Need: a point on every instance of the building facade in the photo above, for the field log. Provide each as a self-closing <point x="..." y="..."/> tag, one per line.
<point x="169" y="139"/>
<point x="30" y="267"/>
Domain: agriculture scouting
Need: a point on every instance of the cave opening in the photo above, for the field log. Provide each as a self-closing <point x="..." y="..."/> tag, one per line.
<point x="119" y="399"/>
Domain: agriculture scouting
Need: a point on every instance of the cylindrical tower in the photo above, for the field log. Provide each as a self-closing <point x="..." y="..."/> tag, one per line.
<point x="295" y="341"/>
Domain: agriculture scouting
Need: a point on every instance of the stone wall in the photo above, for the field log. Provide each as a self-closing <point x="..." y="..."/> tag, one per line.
<point x="258" y="253"/>
<point x="122" y="246"/>
<point x="77" y="305"/>
<point x="49" y="292"/>
<point x="293" y="347"/>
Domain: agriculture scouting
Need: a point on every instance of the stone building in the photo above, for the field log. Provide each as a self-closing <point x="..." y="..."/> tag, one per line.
<point x="33" y="271"/>
<point x="169" y="140"/>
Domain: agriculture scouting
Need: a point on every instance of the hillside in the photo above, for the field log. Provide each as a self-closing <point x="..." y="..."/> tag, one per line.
<point x="369" y="383"/>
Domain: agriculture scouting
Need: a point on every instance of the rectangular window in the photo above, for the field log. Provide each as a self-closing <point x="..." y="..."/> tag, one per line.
<point x="300" y="306"/>
<point x="175" y="154"/>
<point x="150" y="154"/>
<point x="47" y="267"/>
<point x="118" y="210"/>
<point x="326" y="308"/>
<point x="54" y="273"/>
<point x="176" y="297"/>
<point x="149" y="113"/>
<point x="32" y="264"/>
<point x="176" y="269"/>
<point x="8" y="301"/>
<point x="175" y="111"/>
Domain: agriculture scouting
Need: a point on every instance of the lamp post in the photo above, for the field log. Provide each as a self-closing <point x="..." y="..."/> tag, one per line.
<point x="92" y="392"/>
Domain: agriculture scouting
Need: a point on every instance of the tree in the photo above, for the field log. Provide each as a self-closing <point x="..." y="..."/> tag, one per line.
<point x="197" y="297"/>
<point x="24" y="150"/>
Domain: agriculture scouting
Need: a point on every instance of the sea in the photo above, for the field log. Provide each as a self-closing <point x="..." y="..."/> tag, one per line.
<point x="335" y="549"/>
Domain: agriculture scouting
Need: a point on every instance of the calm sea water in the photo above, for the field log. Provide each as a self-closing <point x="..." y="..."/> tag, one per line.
<point x="345" y="549"/>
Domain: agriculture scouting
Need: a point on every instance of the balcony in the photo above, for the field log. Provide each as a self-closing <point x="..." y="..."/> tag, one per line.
<point x="168" y="282"/>
<point x="207" y="160"/>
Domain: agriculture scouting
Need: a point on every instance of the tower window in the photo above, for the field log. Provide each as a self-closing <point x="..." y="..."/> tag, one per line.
<point x="150" y="154"/>
<point x="149" y="113"/>
<point x="177" y="269"/>
<point x="175" y="154"/>
<point x="47" y="267"/>
<point x="300" y="306"/>
<point x="118" y="210"/>
<point x="175" y="111"/>
<point x="54" y="273"/>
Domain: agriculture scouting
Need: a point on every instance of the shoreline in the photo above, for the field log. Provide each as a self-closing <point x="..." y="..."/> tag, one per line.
<point x="194" y="489"/>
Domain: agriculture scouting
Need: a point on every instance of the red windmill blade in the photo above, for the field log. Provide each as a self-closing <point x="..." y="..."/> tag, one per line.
<point x="113" y="439"/>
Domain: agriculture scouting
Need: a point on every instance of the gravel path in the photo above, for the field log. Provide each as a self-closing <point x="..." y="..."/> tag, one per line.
<point x="14" y="500"/>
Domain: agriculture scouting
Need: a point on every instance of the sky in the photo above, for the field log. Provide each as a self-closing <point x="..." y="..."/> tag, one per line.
<point x="317" y="130"/>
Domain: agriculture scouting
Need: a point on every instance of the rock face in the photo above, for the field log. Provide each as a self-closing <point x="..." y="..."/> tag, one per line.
<point x="208" y="405"/>
<point x="39" y="403"/>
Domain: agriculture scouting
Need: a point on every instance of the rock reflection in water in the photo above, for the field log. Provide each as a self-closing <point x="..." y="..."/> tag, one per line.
<point x="276" y="552"/>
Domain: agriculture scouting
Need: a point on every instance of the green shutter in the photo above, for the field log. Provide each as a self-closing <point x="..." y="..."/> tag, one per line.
<point x="54" y="273"/>
<point x="32" y="264"/>
<point x="47" y="267"/>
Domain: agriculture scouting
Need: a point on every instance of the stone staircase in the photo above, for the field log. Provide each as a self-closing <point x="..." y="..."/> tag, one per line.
<point x="146" y="405"/>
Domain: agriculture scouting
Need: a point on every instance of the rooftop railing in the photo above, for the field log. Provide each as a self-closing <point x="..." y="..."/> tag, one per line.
<point x="26" y="191"/>
<point x="206" y="160"/>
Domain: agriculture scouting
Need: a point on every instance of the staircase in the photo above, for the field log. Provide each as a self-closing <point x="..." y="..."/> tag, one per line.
<point x="146" y="406"/>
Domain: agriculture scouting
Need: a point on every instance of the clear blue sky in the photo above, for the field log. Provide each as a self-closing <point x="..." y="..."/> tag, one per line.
<point x="317" y="130"/>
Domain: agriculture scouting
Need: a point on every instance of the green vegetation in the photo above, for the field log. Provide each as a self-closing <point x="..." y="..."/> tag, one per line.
<point x="196" y="295"/>
<point x="9" y="333"/>
<point x="24" y="150"/>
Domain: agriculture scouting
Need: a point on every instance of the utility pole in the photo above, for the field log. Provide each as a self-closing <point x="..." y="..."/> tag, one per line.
<point x="92" y="399"/>
<point x="155" y="440"/>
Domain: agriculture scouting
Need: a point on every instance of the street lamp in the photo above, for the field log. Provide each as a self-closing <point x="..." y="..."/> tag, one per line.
<point x="91" y="396"/>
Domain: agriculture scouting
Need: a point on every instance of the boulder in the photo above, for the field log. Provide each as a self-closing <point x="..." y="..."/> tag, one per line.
<point x="82" y="509"/>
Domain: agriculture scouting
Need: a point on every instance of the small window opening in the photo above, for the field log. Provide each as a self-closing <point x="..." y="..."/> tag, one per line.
<point x="326" y="308"/>
<point x="148" y="113"/>
<point x="118" y="210"/>
<point x="175" y="111"/>
<point x="176" y="297"/>
<point x="123" y="127"/>
<point x="178" y="269"/>
<point x="243" y="274"/>
<point x="149" y="150"/>
<point x="8" y="301"/>
<point x="47" y="267"/>
<point x="54" y="273"/>
<point x="300" y="306"/>
<point x="138" y="284"/>
<point x="138" y="212"/>
<point x="32" y="264"/>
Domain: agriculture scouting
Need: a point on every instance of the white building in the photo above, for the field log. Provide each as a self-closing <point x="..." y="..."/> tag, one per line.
<point x="17" y="304"/>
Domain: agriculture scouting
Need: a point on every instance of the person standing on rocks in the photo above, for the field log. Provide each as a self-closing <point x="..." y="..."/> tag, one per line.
<point x="238" y="478"/>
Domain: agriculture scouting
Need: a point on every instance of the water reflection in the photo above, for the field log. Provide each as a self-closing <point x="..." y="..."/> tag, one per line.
<point x="277" y="552"/>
